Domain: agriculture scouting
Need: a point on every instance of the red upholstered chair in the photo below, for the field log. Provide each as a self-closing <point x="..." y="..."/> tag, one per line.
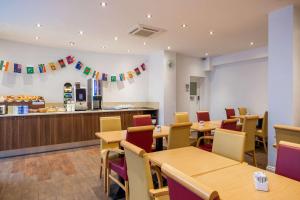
<point x="142" y="137"/>
<point x="142" y="120"/>
<point x="229" y="112"/>
<point x="203" y="116"/>
<point x="182" y="186"/>
<point x="288" y="160"/>
<point x="230" y="124"/>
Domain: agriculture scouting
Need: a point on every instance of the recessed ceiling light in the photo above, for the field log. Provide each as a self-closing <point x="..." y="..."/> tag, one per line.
<point x="211" y="32"/>
<point x="128" y="50"/>
<point x="149" y="16"/>
<point x="183" y="25"/>
<point x="169" y="47"/>
<point x="38" y="25"/>
<point x="145" y="43"/>
<point x="80" y="32"/>
<point x="206" y="54"/>
<point x="72" y="43"/>
<point x="116" y="38"/>
<point x="251" y="43"/>
<point x="37" y="37"/>
<point x="103" y="47"/>
<point x="103" y="4"/>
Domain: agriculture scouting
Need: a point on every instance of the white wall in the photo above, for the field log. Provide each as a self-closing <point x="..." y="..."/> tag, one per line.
<point x="242" y="83"/>
<point x="188" y="66"/>
<point x="50" y="85"/>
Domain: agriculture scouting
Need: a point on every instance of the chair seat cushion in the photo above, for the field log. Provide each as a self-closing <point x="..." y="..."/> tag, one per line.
<point x="206" y="147"/>
<point x="119" y="166"/>
<point x="165" y="197"/>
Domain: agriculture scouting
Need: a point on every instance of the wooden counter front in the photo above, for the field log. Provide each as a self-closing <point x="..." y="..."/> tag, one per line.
<point x="17" y="132"/>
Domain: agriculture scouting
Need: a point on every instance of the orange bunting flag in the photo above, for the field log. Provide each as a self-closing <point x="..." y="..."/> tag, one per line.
<point x="130" y="74"/>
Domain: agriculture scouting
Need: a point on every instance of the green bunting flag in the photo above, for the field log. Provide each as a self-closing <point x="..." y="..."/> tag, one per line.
<point x="30" y="70"/>
<point x="113" y="78"/>
<point x="87" y="70"/>
<point x="1" y="64"/>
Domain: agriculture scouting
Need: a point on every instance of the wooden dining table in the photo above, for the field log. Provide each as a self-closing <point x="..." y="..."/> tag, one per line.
<point x="191" y="160"/>
<point x="236" y="183"/>
<point x="118" y="136"/>
<point x="244" y="116"/>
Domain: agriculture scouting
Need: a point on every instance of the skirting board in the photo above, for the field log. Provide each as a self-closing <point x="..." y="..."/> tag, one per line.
<point x="49" y="148"/>
<point x="271" y="168"/>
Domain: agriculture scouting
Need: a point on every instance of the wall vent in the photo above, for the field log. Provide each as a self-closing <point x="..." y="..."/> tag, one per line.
<point x="145" y="31"/>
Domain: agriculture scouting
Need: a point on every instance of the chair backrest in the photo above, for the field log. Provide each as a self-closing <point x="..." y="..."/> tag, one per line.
<point x="141" y="136"/>
<point x="229" y="124"/>
<point x="249" y="127"/>
<point x="242" y="110"/>
<point x="287" y="133"/>
<point x="142" y="120"/>
<point x="138" y="171"/>
<point x="109" y="124"/>
<point x="181" y="117"/>
<point x="182" y="186"/>
<point x="229" y="144"/>
<point x="179" y="135"/>
<point x="229" y="112"/>
<point x="203" y="116"/>
<point x="265" y="125"/>
<point x="288" y="160"/>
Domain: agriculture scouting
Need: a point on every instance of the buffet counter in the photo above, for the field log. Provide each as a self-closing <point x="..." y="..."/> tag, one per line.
<point x="40" y="132"/>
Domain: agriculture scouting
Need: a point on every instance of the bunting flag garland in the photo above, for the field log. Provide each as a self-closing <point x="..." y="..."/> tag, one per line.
<point x="17" y="68"/>
<point x="90" y="72"/>
<point x="61" y="62"/>
<point x="30" y="70"/>
<point x="42" y="68"/>
<point x="130" y="74"/>
<point x="137" y="71"/>
<point x="104" y="77"/>
<point x="143" y="66"/>
<point x="79" y="65"/>
<point x="87" y="70"/>
<point x="52" y="66"/>
<point x="70" y="60"/>
<point x="113" y="78"/>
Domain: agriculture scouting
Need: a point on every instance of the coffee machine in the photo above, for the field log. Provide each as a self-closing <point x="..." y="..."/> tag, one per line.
<point x="94" y="94"/>
<point x="80" y="98"/>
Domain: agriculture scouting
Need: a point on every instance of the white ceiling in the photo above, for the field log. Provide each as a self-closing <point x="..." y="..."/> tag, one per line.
<point x="235" y="23"/>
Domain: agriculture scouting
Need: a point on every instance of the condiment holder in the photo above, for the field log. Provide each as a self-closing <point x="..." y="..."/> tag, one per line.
<point x="261" y="181"/>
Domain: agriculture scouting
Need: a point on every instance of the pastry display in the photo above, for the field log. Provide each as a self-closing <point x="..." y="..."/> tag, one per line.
<point x="23" y="98"/>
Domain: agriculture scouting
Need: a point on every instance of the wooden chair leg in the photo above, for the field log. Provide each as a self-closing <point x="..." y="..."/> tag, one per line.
<point x="265" y="145"/>
<point x="108" y="182"/>
<point x="101" y="168"/>
<point x="126" y="190"/>
<point x="254" y="159"/>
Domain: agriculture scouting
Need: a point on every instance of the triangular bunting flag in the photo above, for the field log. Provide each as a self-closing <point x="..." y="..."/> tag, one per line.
<point x="70" y="60"/>
<point x="61" y="62"/>
<point x="137" y="71"/>
<point x="79" y="65"/>
<point x="17" y="68"/>
<point x="42" y="68"/>
<point x="143" y="66"/>
<point x="52" y="66"/>
<point x="104" y="77"/>
<point x="87" y="70"/>
<point x="113" y="78"/>
<point x="30" y="70"/>
<point x="130" y="74"/>
<point x="122" y="77"/>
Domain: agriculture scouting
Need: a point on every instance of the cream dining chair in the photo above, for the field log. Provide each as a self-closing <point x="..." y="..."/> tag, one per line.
<point x="249" y="127"/>
<point x="262" y="134"/>
<point x="230" y="144"/>
<point x="181" y="117"/>
<point x="242" y="110"/>
<point x="108" y="124"/>
<point x="139" y="175"/>
<point x="179" y="135"/>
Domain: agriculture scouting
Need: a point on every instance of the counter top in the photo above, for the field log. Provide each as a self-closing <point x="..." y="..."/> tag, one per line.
<point x="78" y="112"/>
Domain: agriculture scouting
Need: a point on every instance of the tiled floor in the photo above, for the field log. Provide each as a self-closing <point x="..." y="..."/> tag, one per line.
<point x="70" y="174"/>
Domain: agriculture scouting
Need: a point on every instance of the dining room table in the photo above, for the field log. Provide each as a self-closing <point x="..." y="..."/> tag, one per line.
<point x="158" y="133"/>
<point x="236" y="182"/>
<point x="191" y="160"/>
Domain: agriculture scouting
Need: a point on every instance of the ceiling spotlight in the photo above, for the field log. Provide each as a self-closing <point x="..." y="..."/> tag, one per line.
<point x="128" y="50"/>
<point x="116" y="38"/>
<point x="103" y="4"/>
<point x="169" y="47"/>
<point x="145" y="43"/>
<point x="251" y="43"/>
<point x="103" y="47"/>
<point x="206" y="54"/>
<point x="72" y="43"/>
<point x="183" y="25"/>
<point x="38" y="25"/>
<point x="37" y="37"/>
<point x="149" y="16"/>
<point x="80" y="32"/>
<point x="211" y="32"/>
